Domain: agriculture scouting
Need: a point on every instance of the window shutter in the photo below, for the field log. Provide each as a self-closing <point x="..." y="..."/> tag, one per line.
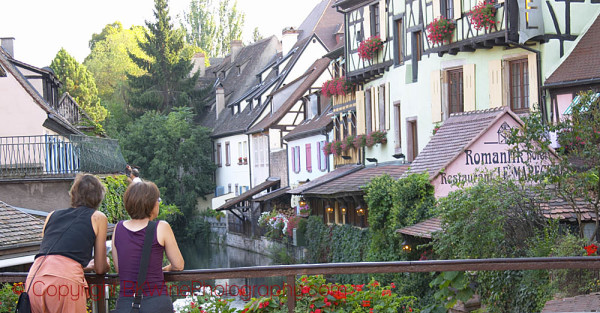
<point x="495" y="72"/>
<point x="388" y="106"/>
<point x="457" y="9"/>
<point x="319" y="150"/>
<point x="298" y="168"/>
<point x="324" y="158"/>
<point x="437" y="11"/>
<point x="368" y="111"/>
<point x="469" y="87"/>
<point x="308" y="158"/>
<point x="436" y="96"/>
<point x="294" y="159"/>
<point x="360" y="112"/>
<point x="381" y="102"/>
<point x="533" y="81"/>
<point x="374" y="109"/>
<point x="366" y="22"/>
<point x="383" y="20"/>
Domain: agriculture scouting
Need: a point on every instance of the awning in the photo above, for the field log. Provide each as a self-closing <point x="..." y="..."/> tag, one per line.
<point x="273" y="195"/>
<point x="423" y="229"/>
<point x="236" y="203"/>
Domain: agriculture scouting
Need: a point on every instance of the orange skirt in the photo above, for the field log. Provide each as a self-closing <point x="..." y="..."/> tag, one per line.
<point x="59" y="285"/>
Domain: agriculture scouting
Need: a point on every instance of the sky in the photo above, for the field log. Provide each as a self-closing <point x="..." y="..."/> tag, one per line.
<point x="42" y="27"/>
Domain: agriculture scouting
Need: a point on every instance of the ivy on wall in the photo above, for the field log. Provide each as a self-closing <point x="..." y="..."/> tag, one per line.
<point x="112" y="205"/>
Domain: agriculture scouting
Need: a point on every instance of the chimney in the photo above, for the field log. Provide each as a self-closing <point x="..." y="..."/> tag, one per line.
<point x="235" y="46"/>
<point x="220" y="102"/>
<point x="7" y="44"/>
<point x="289" y="36"/>
<point x="199" y="65"/>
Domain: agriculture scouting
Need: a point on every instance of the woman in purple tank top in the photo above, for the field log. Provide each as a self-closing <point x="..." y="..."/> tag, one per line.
<point x="142" y="202"/>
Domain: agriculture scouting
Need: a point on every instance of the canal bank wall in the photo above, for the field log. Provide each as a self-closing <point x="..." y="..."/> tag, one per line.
<point x="262" y="245"/>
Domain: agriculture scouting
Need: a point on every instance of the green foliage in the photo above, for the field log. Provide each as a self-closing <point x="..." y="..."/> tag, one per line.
<point x="79" y="83"/>
<point x="319" y="240"/>
<point x="175" y="154"/>
<point x="349" y="244"/>
<point x="9" y="294"/>
<point x="166" y="83"/>
<point x="256" y="36"/>
<point x="112" y="205"/>
<point x="451" y="287"/>
<point x="394" y="204"/>
<point x="109" y="61"/>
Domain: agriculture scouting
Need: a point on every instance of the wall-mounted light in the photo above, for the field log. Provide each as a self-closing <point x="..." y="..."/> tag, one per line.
<point x="302" y="201"/>
<point x="329" y="207"/>
<point x="329" y="210"/>
<point x="374" y="160"/>
<point x="346" y="157"/>
<point x="400" y="156"/>
<point x="406" y="246"/>
<point x="360" y="211"/>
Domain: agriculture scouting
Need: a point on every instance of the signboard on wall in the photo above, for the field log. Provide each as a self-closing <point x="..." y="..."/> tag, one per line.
<point x="531" y="20"/>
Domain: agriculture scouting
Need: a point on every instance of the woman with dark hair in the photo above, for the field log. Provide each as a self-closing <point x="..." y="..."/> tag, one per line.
<point x="142" y="202"/>
<point x="69" y="236"/>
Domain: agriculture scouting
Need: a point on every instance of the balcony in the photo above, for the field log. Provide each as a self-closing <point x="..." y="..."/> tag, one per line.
<point x="344" y="102"/>
<point x="466" y="38"/>
<point x="58" y="156"/>
<point x="359" y="70"/>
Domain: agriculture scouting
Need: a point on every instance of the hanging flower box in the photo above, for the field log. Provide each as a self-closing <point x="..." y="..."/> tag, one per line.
<point x="440" y="30"/>
<point x="368" y="48"/>
<point x="483" y="15"/>
<point x="334" y="147"/>
<point x="336" y="87"/>
<point x="348" y="143"/>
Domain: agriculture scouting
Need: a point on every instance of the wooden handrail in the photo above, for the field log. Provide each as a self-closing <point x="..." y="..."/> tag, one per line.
<point x="291" y="271"/>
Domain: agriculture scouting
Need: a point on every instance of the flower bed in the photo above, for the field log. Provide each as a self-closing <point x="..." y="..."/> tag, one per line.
<point x="368" y="48"/>
<point x="483" y="16"/>
<point x="440" y="30"/>
<point x="336" y="87"/>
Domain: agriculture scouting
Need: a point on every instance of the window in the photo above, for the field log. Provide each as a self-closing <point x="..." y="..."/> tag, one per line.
<point x="227" y="153"/>
<point x="368" y="120"/>
<point x="321" y="157"/>
<point x="455" y="91"/>
<point x="237" y="190"/>
<point x="448" y="8"/>
<point x="417" y="45"/>
<point x="229" y="188"/>
<point x="375" y="20"/>
<point x="519" y="85"/>
<point x="412" y="136"/>
<point x="296" y="159"/>
<point x="399" y="38"/>
<point x="397" y="124"/>
<point x="218" y="155"/>
<point x="381" y="108"/>
<point x="308" y="158"/>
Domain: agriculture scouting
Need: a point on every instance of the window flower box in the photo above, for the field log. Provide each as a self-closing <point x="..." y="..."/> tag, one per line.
<point x="336" y="87"/>
<point x="368" y="48"/>
<point x="440" y="30"/>
<point x="334" y="147"/>
<point x="483" y="15"/>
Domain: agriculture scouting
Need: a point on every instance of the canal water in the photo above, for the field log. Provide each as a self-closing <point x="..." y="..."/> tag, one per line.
<point x="200" y="255"/>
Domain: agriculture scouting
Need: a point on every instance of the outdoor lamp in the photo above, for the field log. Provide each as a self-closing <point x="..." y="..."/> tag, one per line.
<point x="346" y="157"/>
<point x="374" y="160"/>
<point x="329" y="208"/>
<point x="399" y="156"/>
<point x="406" y="247"/>
<point x="302" y="201"/>
<point x="360" y="211"/>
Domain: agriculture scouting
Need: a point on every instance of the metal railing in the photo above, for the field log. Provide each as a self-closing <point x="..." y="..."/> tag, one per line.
<point x="53" y="155"/>
<point x="292" y="271"/>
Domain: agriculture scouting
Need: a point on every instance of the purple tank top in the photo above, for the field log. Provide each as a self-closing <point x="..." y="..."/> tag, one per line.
<point x="129" y="250"/>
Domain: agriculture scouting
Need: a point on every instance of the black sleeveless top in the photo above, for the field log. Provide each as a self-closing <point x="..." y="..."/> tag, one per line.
<point x="78" y="241"/>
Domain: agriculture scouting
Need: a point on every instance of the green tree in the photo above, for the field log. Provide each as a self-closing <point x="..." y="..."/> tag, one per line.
<point x="79" y="83"/>
<point x="212" y="26"/>
<point x="109" y="60"/>
<point x="256" y="36"/>
<point x="167" y="82"/>
<point x="174" y="153"/>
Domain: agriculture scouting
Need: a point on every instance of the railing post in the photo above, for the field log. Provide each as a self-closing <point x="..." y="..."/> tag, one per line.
<point x="291" y="293"/>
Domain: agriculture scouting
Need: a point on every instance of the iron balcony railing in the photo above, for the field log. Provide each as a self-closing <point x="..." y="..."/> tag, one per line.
<point x="100" y="283"/>
<point x="53" y="155"/>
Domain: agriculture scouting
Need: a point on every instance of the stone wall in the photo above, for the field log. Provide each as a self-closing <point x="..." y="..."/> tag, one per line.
<point x="278" y="166"/>
<point x="262" y="245"/>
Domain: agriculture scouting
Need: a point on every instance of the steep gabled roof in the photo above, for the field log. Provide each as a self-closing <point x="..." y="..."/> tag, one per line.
<point x="581" y="65"/>
<point x="309" y="78"/>
<point x="455" y="135"/>
<point x="324" y="21"/>
<point x="338" y="172"/>
<point x="61" y="124"/>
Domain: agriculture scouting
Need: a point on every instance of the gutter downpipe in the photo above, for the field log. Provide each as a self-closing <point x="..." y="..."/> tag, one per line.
<point x="250" y="159"/>
<point x="539" y="78"/>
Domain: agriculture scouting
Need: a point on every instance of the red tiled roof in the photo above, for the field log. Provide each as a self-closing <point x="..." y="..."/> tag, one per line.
<point x="353" y="182"/>
<point x="313" y="74"/>
<point x="338" y="172"/>
<point x="455" y="135"/>
<point x="272" y="195"/>
<point x="559" y="209"/>
<point x="582" y="303"/>
<point x="248" y="194"/>
<point x="18" y="228"/>
<point x="582" y="63"/>
<point x="423" y="229"/>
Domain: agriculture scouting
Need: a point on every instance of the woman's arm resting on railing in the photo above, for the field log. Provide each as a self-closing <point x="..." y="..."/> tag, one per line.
<point x="167" y="238"/>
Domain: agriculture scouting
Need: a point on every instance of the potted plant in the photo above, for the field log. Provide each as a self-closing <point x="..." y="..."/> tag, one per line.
<point x="483" y="15"/>
<point x="348" y="143"/>
<point x="327" y="148"/>
<point x="360" y="141"/>
<point x="336" y="87"/>
<point x="245" y="160"/>
<point x="368" y="48"/>
<point x="440" y="30"/>
<point x="240" y="160"/>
